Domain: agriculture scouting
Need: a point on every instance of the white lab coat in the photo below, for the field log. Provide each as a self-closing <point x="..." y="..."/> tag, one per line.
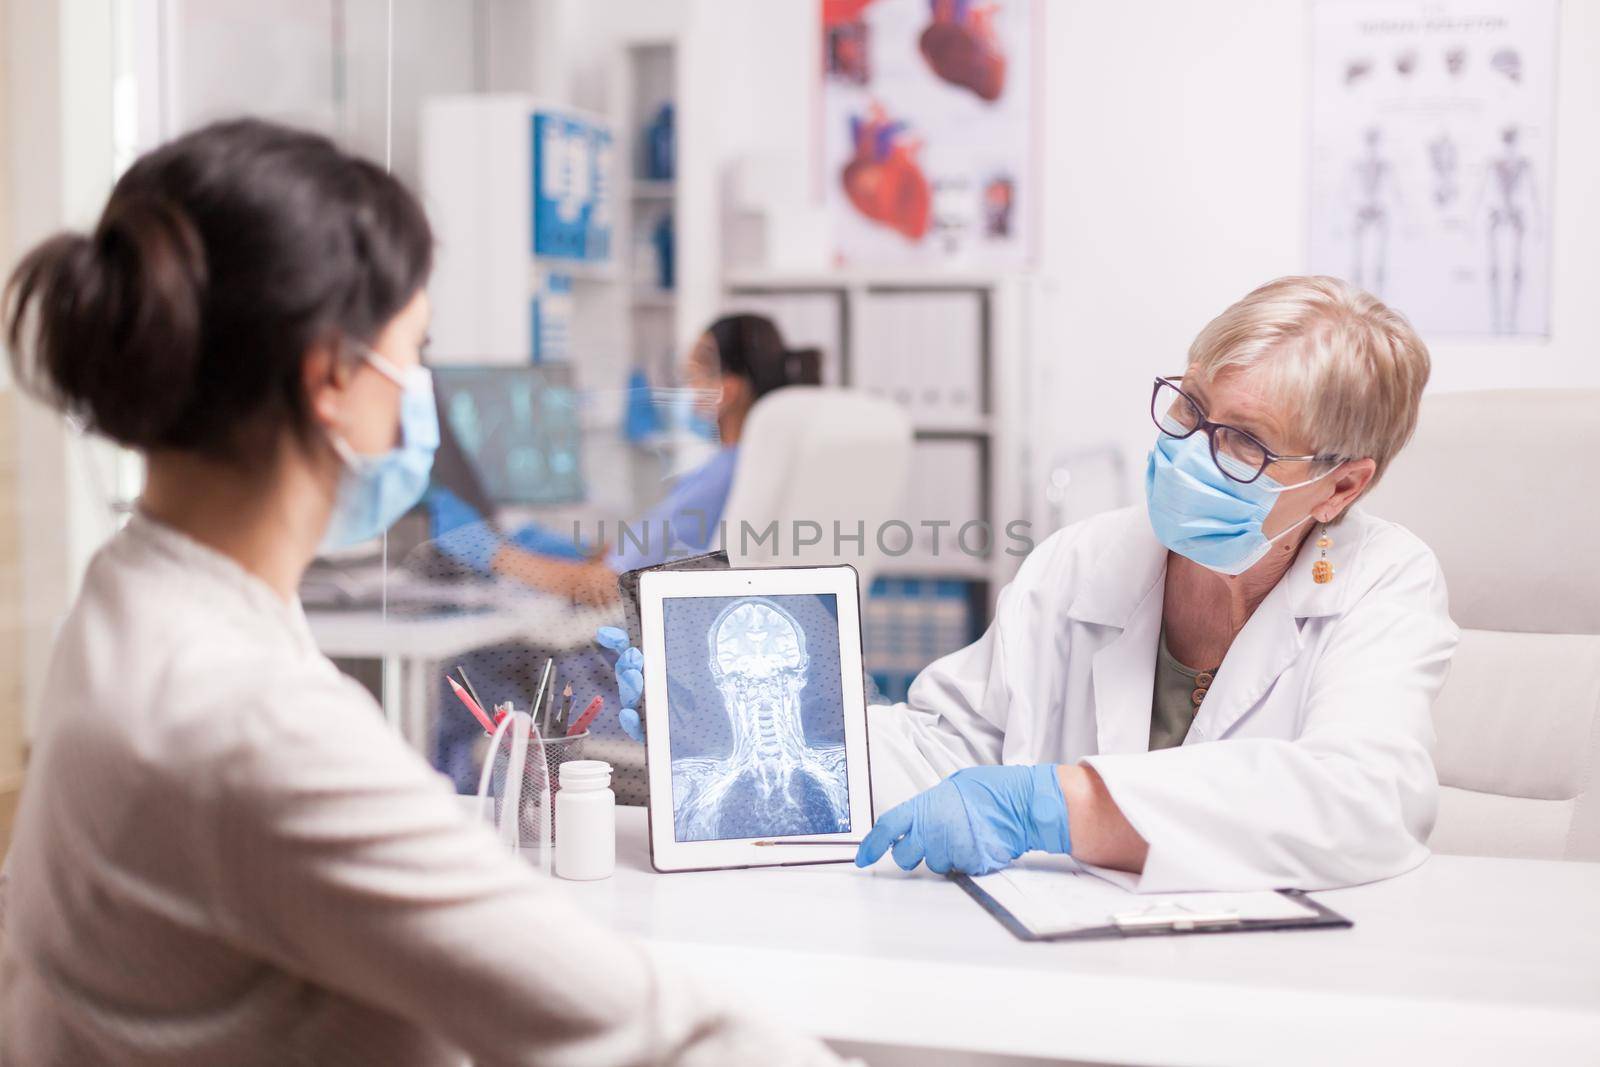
<point x="224" y="856"/>
<point x="1308" y="765"/>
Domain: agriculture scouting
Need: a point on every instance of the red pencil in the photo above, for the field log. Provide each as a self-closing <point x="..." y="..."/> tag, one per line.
<point x="582" y="722"/>
<point x="472" y="705"/>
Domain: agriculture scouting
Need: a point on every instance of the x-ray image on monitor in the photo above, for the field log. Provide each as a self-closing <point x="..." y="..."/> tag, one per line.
<point x="520" y="428"/>
<point x="757" y="730"/>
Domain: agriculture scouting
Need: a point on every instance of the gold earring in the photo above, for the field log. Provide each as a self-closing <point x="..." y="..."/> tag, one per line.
<point x="1322" y="570"/>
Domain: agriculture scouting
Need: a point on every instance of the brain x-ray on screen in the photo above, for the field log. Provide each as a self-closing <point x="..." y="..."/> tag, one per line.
<point x="757" y="710"/>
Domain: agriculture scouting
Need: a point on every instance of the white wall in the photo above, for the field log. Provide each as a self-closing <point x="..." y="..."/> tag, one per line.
<point x="224" y="58"/>
<point x="749" y="85"/>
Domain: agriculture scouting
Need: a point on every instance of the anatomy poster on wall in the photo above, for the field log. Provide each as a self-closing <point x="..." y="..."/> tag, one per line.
<point x="928" y="123"/>
<point x="1433" y="127"/>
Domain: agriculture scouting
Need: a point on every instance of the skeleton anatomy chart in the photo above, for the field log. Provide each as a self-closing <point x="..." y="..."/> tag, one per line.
<point x="1432" y="143"/>
<point x="928" y="131"/>
<point x="757" y="717"/>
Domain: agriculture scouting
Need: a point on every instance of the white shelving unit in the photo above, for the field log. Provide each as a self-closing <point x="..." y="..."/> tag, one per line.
<point x="645" y="76"/>
<point x="481" y="183"/>
<point x="955" y="350"/>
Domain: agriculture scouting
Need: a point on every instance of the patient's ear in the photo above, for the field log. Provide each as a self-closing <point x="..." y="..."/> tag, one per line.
<point x="325" y="379"/>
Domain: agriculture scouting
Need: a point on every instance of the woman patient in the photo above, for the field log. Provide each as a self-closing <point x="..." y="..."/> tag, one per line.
<point x="223" y="856"/>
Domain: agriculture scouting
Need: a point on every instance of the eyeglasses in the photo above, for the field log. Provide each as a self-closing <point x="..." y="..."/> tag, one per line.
<point x="1236" y="453"/>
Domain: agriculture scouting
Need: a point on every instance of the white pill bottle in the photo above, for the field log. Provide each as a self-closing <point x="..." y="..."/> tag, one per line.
<point x="586" y="821"/>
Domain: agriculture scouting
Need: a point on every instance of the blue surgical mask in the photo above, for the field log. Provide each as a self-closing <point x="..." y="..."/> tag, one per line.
<point x="1202" y="514"/>
<point x="702" y="427"/>
<point x="377" y="490"/>
<point x="686" y="414"/>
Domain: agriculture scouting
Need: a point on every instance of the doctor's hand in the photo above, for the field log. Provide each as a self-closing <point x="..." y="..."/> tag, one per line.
<point x="976" y="821"/>
<point x="588" y="584"/>
<point x="630" y="678"/>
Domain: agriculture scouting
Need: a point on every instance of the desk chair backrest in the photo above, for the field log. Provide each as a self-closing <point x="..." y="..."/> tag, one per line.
<point x="1502" y="486"/>
<point x="818" y="455"/>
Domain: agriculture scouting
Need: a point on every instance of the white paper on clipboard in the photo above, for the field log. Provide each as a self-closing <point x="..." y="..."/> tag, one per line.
<point x="1051" y="895"/>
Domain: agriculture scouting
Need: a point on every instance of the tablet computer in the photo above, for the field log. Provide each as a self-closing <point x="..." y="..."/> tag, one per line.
<point x="628" y="588"/>
<point x="757" y="737"/>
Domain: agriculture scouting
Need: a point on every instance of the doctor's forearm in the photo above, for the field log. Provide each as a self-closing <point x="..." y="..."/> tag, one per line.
<point x="587" y="582"/>
<point x="1101" y="835"/>
<point x="541" y="572"/>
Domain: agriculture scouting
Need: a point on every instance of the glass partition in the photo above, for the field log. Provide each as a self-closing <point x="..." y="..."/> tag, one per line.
<point x="573" y="436"/>
<point x="577" y="440"/>
<point x="567" y="420"/>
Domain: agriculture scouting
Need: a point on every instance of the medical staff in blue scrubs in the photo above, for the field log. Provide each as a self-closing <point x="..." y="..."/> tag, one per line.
<point x="738" y="360"/>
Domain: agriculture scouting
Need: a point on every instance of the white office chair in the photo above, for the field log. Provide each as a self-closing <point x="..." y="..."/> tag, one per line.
<point x="818" y="455"/>
<point x="1502" y="486"/>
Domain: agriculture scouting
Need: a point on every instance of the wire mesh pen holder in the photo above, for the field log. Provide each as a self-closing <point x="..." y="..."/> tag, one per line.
<point x="516" y="790"/>
<point x="559" y="750"/>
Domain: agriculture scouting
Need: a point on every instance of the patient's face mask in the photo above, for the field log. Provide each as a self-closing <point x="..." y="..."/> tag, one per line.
<point x="375" y="490"/>
<point x="688" y="414"/>
<point x="1202" y="514"/>
<point x="698" y="402"/>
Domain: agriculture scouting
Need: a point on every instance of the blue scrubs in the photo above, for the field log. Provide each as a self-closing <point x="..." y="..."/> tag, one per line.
<point x="683" y="524"/>
<point x="691" y="512"/>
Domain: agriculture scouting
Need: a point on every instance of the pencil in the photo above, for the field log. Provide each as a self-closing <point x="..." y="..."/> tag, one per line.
<point x="587" y="717"/>
<point x="472" y="706"/>
<point x="468" y="683"/>
<point x="538" y="699"/>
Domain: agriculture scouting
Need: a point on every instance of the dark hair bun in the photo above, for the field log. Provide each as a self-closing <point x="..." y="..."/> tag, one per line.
<point x="751" y="347"/>
<point x="117" y="319"/>
<point x="184" y="320"/>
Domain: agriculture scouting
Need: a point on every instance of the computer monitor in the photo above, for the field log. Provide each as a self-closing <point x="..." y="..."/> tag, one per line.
<point x="519" y="428"/>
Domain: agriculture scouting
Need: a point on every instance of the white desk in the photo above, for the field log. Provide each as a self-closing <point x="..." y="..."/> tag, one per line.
<point x="1461" y="961"/>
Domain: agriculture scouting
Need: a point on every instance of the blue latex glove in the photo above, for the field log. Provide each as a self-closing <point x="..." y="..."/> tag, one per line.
<point x="630" y="678"/>
<point x="640" y="420"/>
<point x="976" y="821"/>
<point x="536" y="539"/>
<point x="460" y="532"/>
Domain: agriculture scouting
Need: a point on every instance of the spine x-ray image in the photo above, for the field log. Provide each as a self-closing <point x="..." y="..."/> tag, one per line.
<point x="757" y="717"/>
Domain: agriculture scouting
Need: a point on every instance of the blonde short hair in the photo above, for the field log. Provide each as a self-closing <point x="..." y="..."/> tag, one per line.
<point x="1340" y="362"/>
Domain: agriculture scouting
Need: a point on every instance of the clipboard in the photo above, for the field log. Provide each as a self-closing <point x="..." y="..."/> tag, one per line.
<point x="1163" y="918"/>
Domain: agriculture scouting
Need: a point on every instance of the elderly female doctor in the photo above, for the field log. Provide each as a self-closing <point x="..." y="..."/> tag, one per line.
<point x="222" y="854"/>
<point x="1230" y="687"/>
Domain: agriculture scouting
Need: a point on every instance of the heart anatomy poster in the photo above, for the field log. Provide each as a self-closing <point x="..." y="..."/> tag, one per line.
<point x="928" y="135"/>
<point x="1433" y="138"/>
